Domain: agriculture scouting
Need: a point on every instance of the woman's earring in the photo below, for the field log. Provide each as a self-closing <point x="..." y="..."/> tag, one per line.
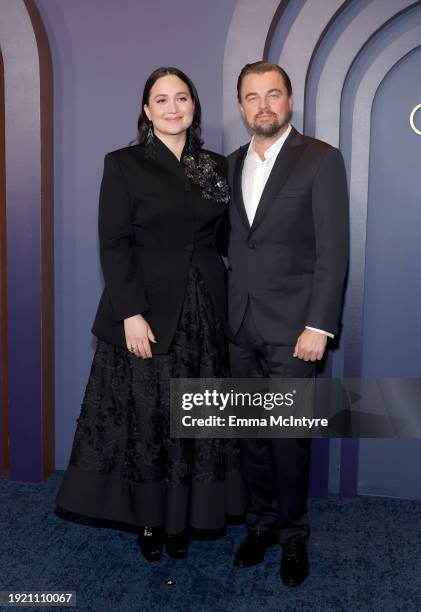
<point x="150" y="143"/>
<point x="190" y="141"/>
<point x="150" y="136"/>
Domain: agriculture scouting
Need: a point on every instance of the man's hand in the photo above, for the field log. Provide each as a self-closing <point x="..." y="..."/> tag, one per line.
<point x="310" y="345"/>
<point x="138" y="336"/>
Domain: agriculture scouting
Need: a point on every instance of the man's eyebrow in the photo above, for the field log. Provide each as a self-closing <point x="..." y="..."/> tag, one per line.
<point x="254" y="93"/>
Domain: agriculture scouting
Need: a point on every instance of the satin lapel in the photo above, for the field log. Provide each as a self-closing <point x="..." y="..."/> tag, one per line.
<point x="237" y="189"/>
<point x="284" y="164"/>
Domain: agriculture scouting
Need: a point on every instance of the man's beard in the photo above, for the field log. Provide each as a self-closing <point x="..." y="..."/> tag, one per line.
<point x="269" y="130"/>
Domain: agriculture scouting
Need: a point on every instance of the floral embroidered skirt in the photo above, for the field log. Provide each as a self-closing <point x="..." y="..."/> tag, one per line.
<point x="124" y="466"/>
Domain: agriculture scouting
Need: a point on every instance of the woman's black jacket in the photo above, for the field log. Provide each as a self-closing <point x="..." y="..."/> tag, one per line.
<point x="154" y="224"/>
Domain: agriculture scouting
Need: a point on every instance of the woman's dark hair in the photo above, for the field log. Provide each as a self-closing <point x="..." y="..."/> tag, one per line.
<point x="143" y="122"/>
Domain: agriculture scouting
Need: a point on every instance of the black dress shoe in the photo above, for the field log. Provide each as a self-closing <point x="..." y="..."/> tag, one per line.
<point x="177" y="545"/>
<point x="252" y="550"/>
<point x="294" y="563"/>
<point x="151" y="542"/>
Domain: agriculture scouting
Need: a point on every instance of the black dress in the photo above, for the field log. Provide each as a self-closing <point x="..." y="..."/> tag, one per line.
<point x="124" y="466"/>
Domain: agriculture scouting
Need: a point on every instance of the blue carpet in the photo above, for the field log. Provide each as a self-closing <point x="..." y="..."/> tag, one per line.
<point x="365" y="554"/>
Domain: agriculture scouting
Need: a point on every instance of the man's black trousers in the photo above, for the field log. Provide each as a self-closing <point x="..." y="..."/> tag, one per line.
<point x="275" y="470"/>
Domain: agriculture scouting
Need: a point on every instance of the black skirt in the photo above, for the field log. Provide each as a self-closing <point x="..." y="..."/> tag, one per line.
<point x="124" y="466"/>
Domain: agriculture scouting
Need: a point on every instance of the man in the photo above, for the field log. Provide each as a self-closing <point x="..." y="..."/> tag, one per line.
<point x="288" y="257"/>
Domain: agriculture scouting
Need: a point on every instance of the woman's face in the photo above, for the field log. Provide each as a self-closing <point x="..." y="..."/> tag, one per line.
<point x="170" y="106"/>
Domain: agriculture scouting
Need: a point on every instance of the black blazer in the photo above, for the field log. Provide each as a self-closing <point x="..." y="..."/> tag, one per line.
<point x="291" y="263"/>
<point x="153" y="224"/>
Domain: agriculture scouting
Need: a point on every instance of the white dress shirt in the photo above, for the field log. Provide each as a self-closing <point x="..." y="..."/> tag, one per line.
<point x="255" y="174"/>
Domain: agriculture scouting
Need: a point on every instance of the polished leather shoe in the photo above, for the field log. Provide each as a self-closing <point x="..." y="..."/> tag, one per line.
<point x="294" y="563"/>
<point x="177" y="545"/>
<point x="151" y="543"/>
<point x="253" y="548"/>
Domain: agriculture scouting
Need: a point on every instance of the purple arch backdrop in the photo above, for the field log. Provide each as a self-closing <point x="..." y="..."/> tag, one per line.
<point x="318" y="44"/>
<point x="4" y="414"/>
<point x="30" y="299"/>
<point x="329" y="48"/>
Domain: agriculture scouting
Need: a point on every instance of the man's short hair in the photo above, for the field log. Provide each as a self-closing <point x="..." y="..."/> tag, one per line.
<point x="260" y="68"/>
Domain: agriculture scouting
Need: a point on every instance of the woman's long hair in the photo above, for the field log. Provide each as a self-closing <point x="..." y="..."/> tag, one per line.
<point x="143" y="122"/>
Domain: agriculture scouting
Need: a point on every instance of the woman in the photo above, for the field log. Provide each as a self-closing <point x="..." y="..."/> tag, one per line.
<point x="163" y="208"/>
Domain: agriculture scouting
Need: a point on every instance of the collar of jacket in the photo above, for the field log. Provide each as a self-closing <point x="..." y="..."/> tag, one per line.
<point x="158" y="154"/>
<point x="287" y="158"/>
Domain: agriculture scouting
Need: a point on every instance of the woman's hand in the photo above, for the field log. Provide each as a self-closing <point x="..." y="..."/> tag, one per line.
<point x="138" y="335"/>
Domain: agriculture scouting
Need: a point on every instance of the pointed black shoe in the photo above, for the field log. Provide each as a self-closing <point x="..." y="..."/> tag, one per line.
<point x="253" y="548"/>
<point x="151" y="543"/>
<point x="177" y="545"/>
<point x="294" y="563"/>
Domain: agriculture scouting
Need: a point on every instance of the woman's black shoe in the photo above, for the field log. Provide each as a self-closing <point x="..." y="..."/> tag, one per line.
<point x="151" y="542"/>
<point x="177" y="545"/>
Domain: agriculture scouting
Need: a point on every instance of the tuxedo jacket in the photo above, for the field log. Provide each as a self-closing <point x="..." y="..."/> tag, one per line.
<point x="291" y="263"/>
<point x="153" y="224"/>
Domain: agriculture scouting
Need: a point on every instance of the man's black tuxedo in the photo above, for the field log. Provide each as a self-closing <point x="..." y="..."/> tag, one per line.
<point x="286" y="271"/>
<point x="153" y="224"/>
<point x="291" y="262"/>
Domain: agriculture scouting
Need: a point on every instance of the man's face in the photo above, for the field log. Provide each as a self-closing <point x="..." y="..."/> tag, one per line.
<point x="265" y="103"/>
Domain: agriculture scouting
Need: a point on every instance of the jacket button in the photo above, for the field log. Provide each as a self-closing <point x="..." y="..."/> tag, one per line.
<point x="251" y="244"/>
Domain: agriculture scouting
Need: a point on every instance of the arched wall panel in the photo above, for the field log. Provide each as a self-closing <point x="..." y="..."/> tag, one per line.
<point x="30" y="299"/>
<point x="348" y="359"/>
<point x="322" y="42"/>
<point x="330" y="80"/>
<point x="245" y="43"/>
<point x="299" y="45"/>
<point x="392" y="296"/>
<point x="359" y="182"/>
<point x="4" y="412"/>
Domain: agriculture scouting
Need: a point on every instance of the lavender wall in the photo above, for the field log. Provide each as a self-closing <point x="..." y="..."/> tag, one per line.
<point x="102" y="53"/>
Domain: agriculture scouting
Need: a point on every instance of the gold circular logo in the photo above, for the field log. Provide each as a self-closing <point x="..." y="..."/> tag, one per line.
<point x="411" y="119"/>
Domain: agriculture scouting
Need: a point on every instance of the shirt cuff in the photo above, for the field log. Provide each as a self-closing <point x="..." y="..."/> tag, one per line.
<point x="321" y="331"/>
